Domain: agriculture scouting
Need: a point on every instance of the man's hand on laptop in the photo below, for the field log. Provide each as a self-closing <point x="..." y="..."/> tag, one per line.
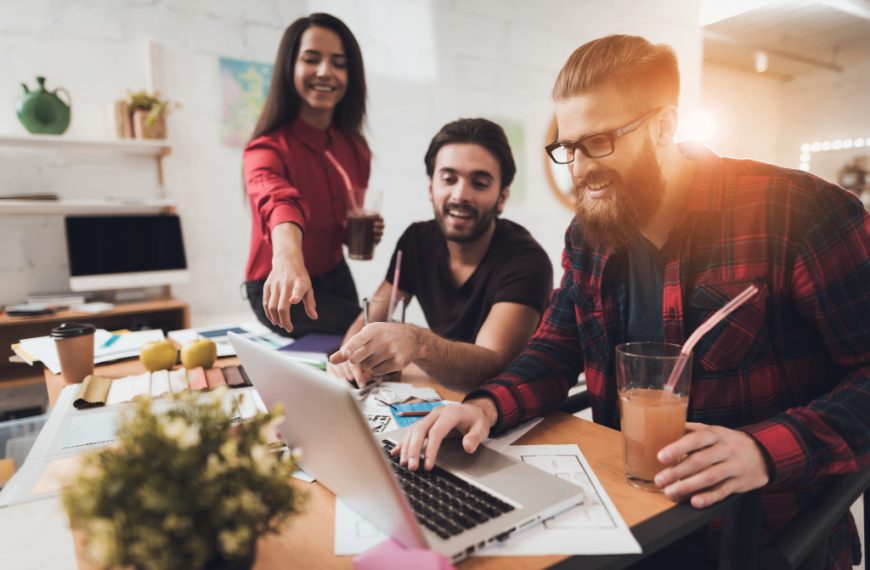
<point x="472" y="420"/>
<point x="379" y="348"/>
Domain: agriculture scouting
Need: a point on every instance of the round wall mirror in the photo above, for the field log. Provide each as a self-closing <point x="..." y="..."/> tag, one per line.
<point x="558" y="175"/>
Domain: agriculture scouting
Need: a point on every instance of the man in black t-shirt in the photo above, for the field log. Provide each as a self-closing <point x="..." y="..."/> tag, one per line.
<point x="482" y="282"/>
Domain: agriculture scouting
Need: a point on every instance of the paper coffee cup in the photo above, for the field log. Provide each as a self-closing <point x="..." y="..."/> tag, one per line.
<point x="75" y="350"/>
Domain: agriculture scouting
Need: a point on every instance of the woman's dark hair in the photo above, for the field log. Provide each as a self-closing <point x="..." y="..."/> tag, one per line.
<point x="283" y="102"/>
<point x="476" y="131"/>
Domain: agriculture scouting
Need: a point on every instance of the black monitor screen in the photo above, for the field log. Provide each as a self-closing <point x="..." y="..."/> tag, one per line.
<point x="99" y="245"/>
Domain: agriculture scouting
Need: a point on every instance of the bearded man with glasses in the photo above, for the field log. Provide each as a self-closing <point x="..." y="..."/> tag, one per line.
<point x="664" y="235"/>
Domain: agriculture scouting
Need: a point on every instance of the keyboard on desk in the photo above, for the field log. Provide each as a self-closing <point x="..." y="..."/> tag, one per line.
<point x="444" y="503"/>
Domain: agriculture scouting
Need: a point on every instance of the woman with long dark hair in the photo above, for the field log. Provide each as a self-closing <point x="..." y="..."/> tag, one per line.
<point x="306" y="165"/>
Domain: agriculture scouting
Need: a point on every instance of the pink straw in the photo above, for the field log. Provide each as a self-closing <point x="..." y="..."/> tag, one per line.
<point x="705" y="327"/>
<point x="394" y="294"/>
<point x="347" y="184"/>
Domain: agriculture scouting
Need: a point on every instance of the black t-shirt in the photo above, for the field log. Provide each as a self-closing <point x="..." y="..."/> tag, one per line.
<point x="641" y="276"/>
<point x="515" y="269"/>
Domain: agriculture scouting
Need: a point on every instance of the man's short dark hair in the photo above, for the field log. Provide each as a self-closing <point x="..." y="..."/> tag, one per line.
<point x="475" y="131"/>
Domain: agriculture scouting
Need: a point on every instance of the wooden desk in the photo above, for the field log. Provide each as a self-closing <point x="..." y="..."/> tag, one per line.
<point x="308" y="541"/>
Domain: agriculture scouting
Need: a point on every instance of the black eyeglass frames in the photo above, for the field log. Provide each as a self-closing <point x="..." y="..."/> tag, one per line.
<point x="596" y="145"/>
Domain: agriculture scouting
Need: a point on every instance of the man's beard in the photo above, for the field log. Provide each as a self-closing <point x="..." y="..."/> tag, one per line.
<point x="630" y="204"/>
<point x="481" y="225"/>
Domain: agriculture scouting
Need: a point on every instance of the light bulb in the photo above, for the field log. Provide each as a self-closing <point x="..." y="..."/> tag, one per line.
<point x="761" y="61"/>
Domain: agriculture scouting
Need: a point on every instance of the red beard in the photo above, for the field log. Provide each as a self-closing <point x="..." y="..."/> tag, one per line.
<point x="631" y="203"/>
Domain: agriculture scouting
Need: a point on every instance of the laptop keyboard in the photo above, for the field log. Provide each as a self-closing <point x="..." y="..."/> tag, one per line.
<point x="444" y="503"/>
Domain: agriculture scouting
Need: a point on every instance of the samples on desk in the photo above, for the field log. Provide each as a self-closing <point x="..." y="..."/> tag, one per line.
<point x="97" y="391"/>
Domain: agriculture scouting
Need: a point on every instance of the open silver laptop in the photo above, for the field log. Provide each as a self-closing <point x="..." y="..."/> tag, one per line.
<point x="467" y="501"/>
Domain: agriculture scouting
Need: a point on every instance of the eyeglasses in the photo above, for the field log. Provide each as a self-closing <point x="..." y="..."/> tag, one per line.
<point x="596" y="145"/>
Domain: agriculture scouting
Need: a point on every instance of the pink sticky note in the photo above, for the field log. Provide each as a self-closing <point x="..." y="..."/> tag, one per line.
<point x="391" y="555"/>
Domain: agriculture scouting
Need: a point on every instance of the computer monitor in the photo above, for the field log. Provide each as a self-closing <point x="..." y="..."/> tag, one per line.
<point x="122" y="252"/>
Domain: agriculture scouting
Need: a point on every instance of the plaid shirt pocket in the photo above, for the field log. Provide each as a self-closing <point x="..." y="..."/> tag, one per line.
<point x="591" y="327"/>
<point x="740" y="337"/>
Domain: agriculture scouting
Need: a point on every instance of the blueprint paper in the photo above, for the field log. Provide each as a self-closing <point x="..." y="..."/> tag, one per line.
<point x="594" y="527"/>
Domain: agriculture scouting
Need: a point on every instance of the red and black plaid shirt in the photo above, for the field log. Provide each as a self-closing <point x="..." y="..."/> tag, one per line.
<point x="791" y="368"/>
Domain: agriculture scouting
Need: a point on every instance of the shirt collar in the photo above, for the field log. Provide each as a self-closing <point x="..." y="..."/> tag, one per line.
<point x="705" y="192"/>
<point x="315" y="139"/>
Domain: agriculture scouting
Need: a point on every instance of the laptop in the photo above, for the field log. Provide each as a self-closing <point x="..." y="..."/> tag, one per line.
<point x="466" y="502"/>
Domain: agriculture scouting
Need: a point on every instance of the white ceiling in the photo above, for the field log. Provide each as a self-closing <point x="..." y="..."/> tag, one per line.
<point x="799" y="37"/>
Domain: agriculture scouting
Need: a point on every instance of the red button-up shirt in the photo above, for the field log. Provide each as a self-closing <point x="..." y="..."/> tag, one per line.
<point x="288" y="178"/>
<point x="791" y="368"/>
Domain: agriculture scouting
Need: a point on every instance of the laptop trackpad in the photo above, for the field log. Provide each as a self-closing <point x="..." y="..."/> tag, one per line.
<point x="487" y="467"/>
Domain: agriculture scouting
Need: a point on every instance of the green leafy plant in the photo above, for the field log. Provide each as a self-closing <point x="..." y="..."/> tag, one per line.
<point x="182" y="488"/>
<point x="154" y="103"/>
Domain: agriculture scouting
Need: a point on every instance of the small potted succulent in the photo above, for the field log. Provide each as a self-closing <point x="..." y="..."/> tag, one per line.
<point x="149" y="111"/>
<point x="183" y="488"/>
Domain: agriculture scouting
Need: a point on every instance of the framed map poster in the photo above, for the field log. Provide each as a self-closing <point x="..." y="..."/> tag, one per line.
<point x="244" y="85"/>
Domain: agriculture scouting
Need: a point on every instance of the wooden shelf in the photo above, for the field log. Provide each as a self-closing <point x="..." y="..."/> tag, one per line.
<point x="98" y="207"/>
<point x="64" y="143"/>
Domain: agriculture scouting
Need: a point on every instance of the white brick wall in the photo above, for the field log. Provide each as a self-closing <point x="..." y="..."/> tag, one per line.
<point x="747" y="109"/>
<point x="768" y="119"/>
<point x="427" y="62"/>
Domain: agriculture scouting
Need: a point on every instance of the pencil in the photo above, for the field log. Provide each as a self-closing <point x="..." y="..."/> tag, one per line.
<point x="413" y="413"/>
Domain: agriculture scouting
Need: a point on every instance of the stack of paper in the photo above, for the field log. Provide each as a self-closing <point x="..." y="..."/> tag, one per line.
<point x="108" y="347"/>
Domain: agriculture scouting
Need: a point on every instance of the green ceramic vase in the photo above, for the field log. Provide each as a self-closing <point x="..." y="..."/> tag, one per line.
<point x="42" y="111"/>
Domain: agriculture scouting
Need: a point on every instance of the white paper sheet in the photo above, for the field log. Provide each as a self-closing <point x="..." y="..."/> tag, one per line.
<point x="353" y="533"/>
<point x="398" y="392"/>
<point x="88" y="430"/>
<point x="595" y="527"/>
<point x="125" y="346"/>
<point x="35" y="536"/>
<point x="378" y="416"/>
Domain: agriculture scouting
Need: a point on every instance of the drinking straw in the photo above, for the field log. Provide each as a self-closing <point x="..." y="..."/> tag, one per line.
<point x="394" y="293"/>
<point x="347" y="184"/>
<point x="703" y="329"/>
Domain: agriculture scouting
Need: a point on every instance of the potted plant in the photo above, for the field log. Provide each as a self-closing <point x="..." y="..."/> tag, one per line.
<point x="182" y="488"/>
<point x="149" y="111"/>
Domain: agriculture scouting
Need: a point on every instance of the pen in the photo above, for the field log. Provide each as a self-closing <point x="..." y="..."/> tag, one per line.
<point x="366" y="390"/>
<point x="111" y="340"/>
<point x="413" y="413"/>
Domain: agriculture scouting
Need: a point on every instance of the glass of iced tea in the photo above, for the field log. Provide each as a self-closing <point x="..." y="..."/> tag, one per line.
<point x="361" y="227"/>
<point x="651" y="416"/>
